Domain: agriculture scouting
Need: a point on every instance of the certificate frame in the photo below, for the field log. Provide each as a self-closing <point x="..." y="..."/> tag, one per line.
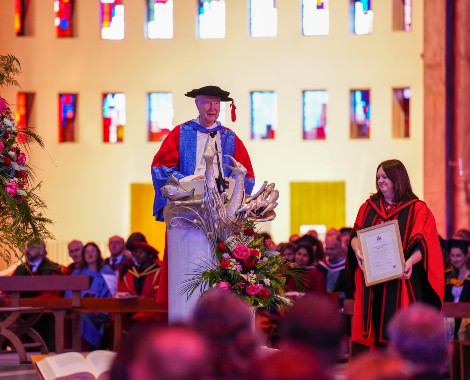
<point x="382" y="252"/>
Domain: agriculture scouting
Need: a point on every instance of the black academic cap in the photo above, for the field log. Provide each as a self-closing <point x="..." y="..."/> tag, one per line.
<point x="210" y="91"/>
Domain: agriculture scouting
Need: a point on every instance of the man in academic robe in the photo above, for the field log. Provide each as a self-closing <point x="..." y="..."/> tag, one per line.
<point x="181" y="155"/>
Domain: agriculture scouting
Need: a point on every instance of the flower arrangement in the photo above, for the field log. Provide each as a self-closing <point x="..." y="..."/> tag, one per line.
<point x="21" y="219"/>
<point x="247" y="267"/>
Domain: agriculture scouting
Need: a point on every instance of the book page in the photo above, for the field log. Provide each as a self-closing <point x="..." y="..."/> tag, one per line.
<point x="63" y="365"/>
<point x="100" y="361"/>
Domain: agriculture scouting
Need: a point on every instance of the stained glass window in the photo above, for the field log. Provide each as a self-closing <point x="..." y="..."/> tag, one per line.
<point x="159" y="19"/>
<point x="315" y="17"/>
<point x="112" y="19"/>
<point x="67" y="114"/>
<point x="362" y="16"/>
<point x="24" y="111"/>
<point x="20" y="21"/>
<point x="211" y="17"/>
<point x="263" y="18"/>
<point x="401" y="112"/>
<point x="402" y="15"/>
<point x="263" y="115"/>
<point x="114" y="117"/>
<point x="160" y="115"/>
<point x="63" y="21"/>
<point x="315" y="104"/>
<point x="360" y="113"/>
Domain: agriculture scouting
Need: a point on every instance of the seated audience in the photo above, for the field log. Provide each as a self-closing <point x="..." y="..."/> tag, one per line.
<point x="227" y="323"/>
<point x="418" y="334"/>
<point x="92" y="324"/>
<point x="315" y="323"/>
<point x="457" y="287"/>
<point x="37" y="264"/>
<point x="75" y="253"/>
<point x="345" y="236"/>
<point x="316" y="245"/>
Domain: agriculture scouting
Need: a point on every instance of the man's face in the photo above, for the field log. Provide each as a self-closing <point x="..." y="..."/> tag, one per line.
<point x="35" y="252"/>
<point x="209" y="109"/>
<point x="333" y="248"/>
<point x="116" y="245"/>
<point x="75" y="251"/>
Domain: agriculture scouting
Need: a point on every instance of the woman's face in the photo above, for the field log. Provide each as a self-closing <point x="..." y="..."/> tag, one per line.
<point x="458" y="259"/>
<point x="91" y="255"/>
<point x="384" y="184"/>
<point x="301" y="257"/>
<point x="288" y="254"/>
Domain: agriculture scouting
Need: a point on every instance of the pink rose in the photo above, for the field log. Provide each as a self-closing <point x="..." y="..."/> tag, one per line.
<point x="253" y="290"/>
<point x="3" y="105"/>
<point x="2" y="146"/>
<point x="21" y="160"/>
<point x="241" y="252"/>
<point x="11" y="188"/>
<point x="223" y="285"/>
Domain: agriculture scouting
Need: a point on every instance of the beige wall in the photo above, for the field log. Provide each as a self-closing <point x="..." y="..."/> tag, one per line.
<point x="87" y="184"/>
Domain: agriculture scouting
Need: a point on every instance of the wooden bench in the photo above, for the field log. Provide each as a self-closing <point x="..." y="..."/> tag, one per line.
<point x="118" y="306"/>
<point x="14" y="285"/>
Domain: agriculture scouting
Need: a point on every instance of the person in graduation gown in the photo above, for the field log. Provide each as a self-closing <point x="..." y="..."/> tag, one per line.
<point x="141" y="278"/>
<point x="423" y="275"/>
<point x="181" y="154"/>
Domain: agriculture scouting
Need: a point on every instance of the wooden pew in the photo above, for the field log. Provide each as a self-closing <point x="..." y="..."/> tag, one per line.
<point x="118" y="306"/>
<point x="14" y="285"/>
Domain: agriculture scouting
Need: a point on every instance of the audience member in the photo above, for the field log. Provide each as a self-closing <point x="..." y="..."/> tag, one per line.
<point x="313" y="242"/>
<point x="293" y="238"/>
<point x="291" y="363"/>
<point x="227" y="323"/>
<point x="92" y="324"/>
<point x="287" y="250"/>
<point x="333" y="266"/>
<point x="37" y="264"/>
<point x="75" y="253"/>
<point x="345" y="237"/>
<point x="458" y="286"/>
<point x="418" y="334"/>
<point x="314" y="322"/>
<point x="268" y="241"/>
<point x="150" y="352"/>
<point x="117" y="248"/>
<point x="378" y="365"/>
<point x="141" y="278"/>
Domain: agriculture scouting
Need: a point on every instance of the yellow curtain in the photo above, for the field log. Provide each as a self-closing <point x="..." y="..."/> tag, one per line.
<point x="142" y="220"/>
<point x="317" y="203"/>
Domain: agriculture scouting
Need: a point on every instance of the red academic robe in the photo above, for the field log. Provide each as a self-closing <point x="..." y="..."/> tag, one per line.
<point x="374" y="306"/>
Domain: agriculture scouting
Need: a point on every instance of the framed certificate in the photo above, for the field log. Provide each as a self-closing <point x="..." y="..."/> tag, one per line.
<point x="382" y="251"/>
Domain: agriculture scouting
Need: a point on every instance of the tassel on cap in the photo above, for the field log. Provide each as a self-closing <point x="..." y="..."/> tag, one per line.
<point x="233" y="114"/>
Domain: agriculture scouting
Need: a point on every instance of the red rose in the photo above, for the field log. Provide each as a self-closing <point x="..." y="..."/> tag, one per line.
<point x="263" y="293"/>
<point x="249" y="262"/>
<point x="254" y="252"/>
<point x="249" y="232"/>
<point x="22" y="174"/>
<point x="7" y="160"/>
<point x="221" y="246"/>
<point x="225" y="264"/>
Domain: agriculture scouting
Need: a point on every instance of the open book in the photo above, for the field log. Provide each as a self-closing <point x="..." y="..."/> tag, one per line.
<point x="73" y="365"/>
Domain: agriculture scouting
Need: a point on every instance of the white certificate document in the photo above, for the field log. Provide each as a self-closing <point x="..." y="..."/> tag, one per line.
<point x="382" y="251"/>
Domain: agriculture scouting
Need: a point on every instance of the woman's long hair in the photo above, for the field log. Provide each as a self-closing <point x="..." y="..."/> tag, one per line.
<point x="396" y="172"/>
<point x="99" y="259"/>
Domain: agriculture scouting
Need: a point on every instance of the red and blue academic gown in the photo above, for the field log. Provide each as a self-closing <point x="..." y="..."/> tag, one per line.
<point x="177" y="157"/>
<point x="375" y="305"/>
